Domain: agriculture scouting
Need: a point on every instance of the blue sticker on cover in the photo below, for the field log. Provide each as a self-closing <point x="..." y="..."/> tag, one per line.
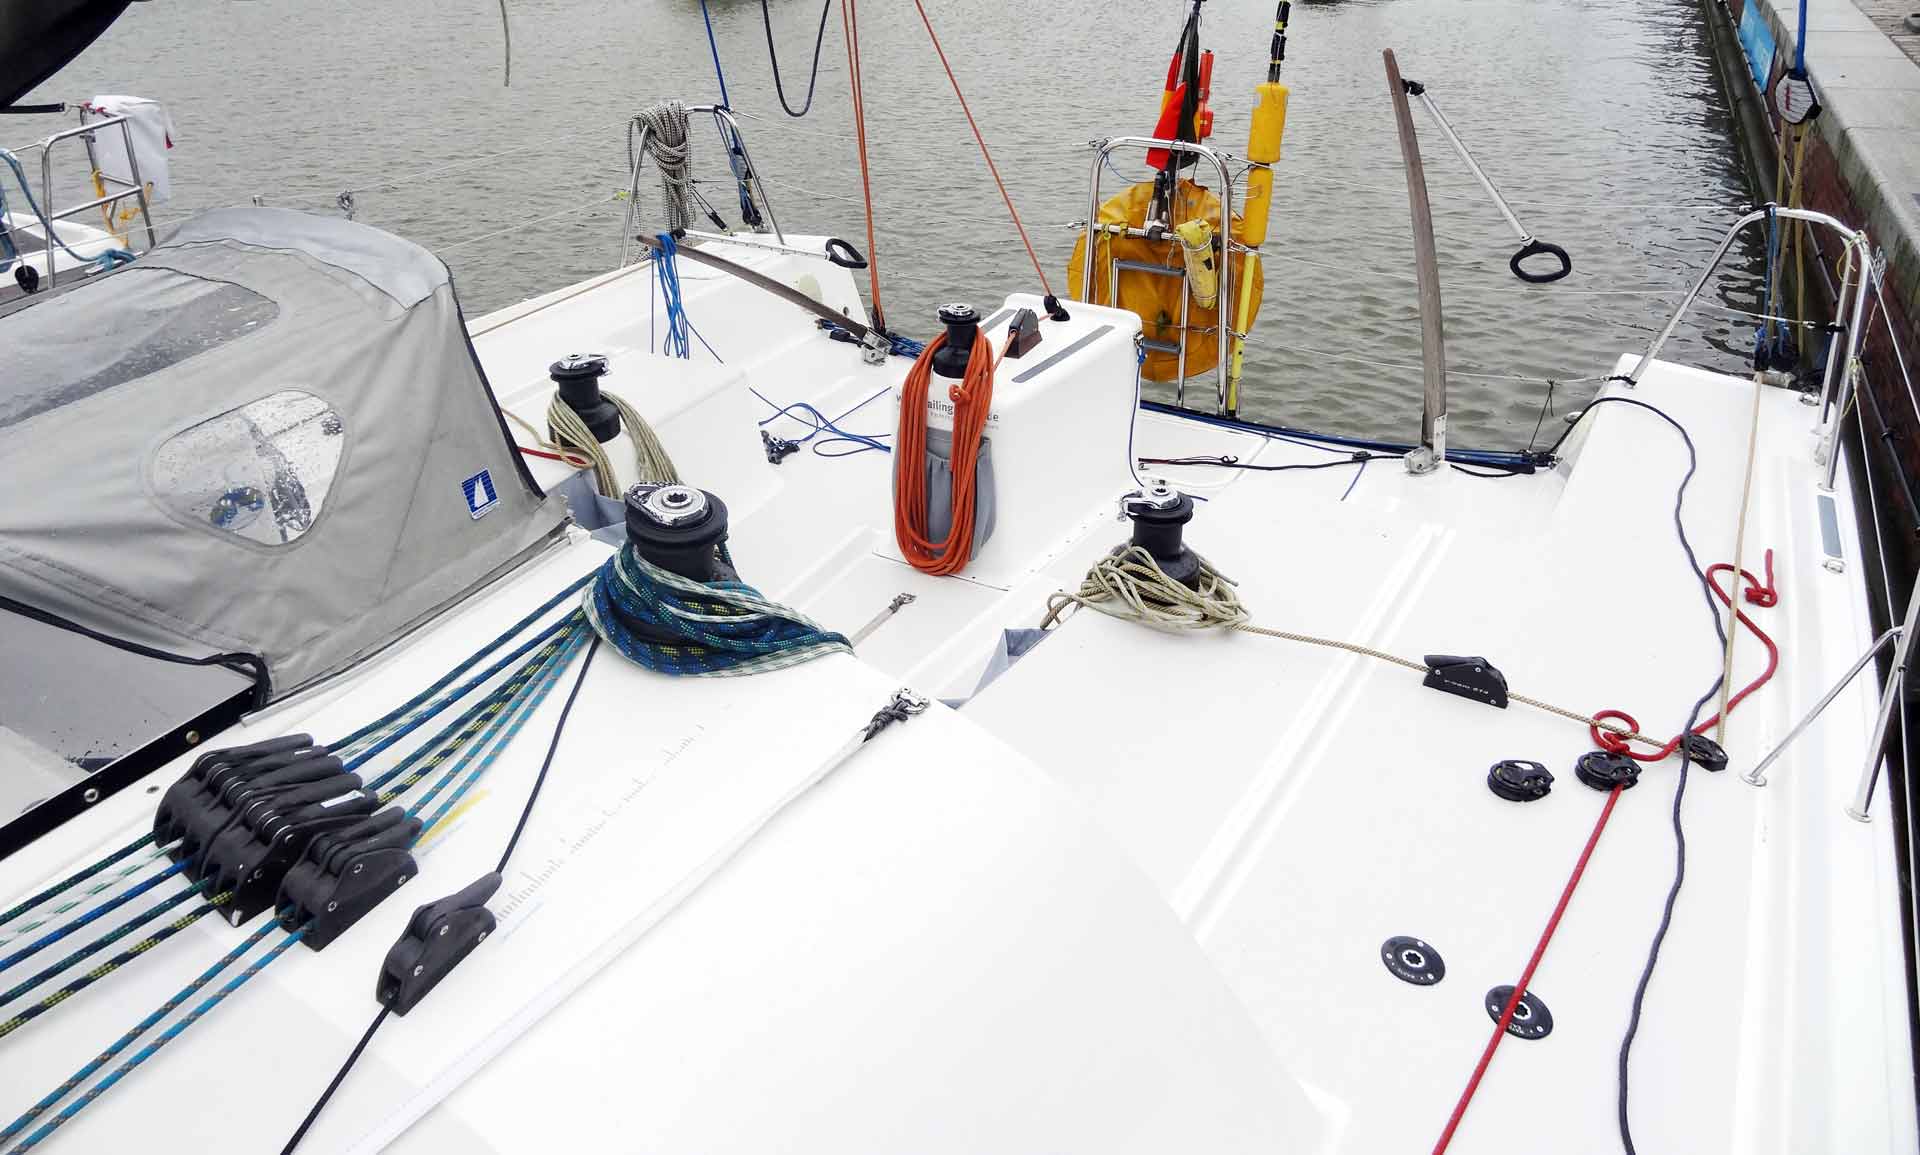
<point x="481" y="496"/>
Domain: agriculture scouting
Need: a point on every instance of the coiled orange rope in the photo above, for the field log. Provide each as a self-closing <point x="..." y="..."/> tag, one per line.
<point x="972" y="399"/>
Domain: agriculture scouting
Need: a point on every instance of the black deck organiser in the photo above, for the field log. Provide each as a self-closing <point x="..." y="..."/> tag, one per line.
<point x="247" y="820"/>
<point x="347" y="872"/>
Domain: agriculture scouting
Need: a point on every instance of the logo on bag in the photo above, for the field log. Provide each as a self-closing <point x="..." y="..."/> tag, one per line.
<point x="481" y="496"/>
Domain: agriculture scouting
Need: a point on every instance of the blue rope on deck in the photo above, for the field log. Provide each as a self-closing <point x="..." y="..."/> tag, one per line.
<point x="717" y="629"/>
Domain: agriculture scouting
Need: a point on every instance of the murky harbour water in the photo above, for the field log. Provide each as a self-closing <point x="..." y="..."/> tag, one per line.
<point x="1602" y="122"/>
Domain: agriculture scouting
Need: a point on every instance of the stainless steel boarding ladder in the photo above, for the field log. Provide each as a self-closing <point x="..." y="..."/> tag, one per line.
<point x="1223" y="230"/>
<point x="114" y="189"/>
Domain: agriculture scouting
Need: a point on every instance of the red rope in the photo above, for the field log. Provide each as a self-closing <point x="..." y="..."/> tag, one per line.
<point x="972" y="399"/>
<point x="1756" y="594"/>
<point x="1526" y="976"/>
<point x="850" y="24"/>
<point x="991" y="167"/>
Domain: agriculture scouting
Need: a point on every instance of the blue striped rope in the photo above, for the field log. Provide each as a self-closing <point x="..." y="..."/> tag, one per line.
<point x="524" y="697"/>
<point x="720" y="628"/>
<point x="371" y="729"/>
<point x="112" y="904"/>
<point x="516" y="707"/>
<point x="447" y="679"/>
<point x="472" y="684"/>
<point x="171" y="1033"/>
<point x="538" y="694"/>
<point x="101" y="943"/>
<point x="78" y="877"/>
<point x="79" y="900"/>
<point x="127" y="1040"/>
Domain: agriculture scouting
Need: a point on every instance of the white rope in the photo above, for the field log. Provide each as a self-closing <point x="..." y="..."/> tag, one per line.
<point x="672" y="154"/>
<point x="1130" y="586"/>
<point x="650" y="459"/>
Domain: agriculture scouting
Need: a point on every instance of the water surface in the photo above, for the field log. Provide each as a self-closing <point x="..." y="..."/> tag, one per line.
<point x="1603" y="123"/>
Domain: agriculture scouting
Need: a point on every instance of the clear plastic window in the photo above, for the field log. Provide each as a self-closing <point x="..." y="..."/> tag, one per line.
<point x="115" y="330"/>
<point x="260" y="472"/>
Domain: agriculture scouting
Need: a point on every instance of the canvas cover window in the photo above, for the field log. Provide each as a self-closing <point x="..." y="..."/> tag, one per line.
<point x="260" y="471"/>
<point x="115" y="330"/>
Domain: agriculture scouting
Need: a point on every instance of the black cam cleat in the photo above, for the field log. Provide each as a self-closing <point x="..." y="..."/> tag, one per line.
<point x="1605" y="769"/>
<point x="346" y="873"/>
<point x="1518" y="780"/>
<point x="194" y="790"/>
<point x="249" y="859"/>
<point x="1023" y="333"/>
<point x="1474" y="678"/>
<point x="1704" y="751"/>
<point x="438" y="936"/>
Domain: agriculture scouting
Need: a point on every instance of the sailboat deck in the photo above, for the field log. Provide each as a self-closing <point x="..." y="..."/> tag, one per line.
<point x="1243" y="819"/>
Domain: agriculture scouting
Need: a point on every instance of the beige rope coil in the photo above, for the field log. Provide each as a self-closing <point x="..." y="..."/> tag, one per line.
<point x="1131" y="586"/>
<point x="575" y="440"/>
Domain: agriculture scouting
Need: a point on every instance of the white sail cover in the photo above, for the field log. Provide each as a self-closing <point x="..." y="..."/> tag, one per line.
<point x="269" y="435"/>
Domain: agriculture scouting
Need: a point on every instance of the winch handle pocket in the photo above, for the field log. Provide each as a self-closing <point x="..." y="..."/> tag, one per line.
<point x="1535" y="248"/>
<point x="843" y="253"/>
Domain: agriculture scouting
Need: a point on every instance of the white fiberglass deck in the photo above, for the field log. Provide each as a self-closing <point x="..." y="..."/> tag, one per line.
<point x="1131" y="896"/>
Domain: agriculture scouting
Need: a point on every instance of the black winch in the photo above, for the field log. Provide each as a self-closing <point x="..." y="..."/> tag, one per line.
<point x="578" y="377"/>
<point x="1518" y="780"/>
<point x="963" y="323"/>
<point x="680" y="529"/>
<point x="1606" y="769"/>
<point x="1159" y="513"/>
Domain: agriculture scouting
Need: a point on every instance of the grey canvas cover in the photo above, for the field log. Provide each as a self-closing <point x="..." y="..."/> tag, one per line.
<point x="268" y="435"/>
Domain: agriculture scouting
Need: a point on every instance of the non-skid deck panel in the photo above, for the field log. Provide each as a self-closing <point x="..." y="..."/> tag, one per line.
<point x="1348" y="804"/>
<point x="1298" y="805"/>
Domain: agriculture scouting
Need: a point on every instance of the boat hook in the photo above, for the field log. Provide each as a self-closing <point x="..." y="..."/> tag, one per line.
<point x="1529" y="247"/>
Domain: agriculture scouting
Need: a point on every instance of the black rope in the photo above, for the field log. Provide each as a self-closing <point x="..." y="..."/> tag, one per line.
<point x="1680" y="782"/>
<point x="519" y="827"/>
<point x="1488" y="472"/>
<point x="339" y="1077"/>
<point x="540" y="780"/>
<point x="773" y="57"/>
<point x="252" y="665"/>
